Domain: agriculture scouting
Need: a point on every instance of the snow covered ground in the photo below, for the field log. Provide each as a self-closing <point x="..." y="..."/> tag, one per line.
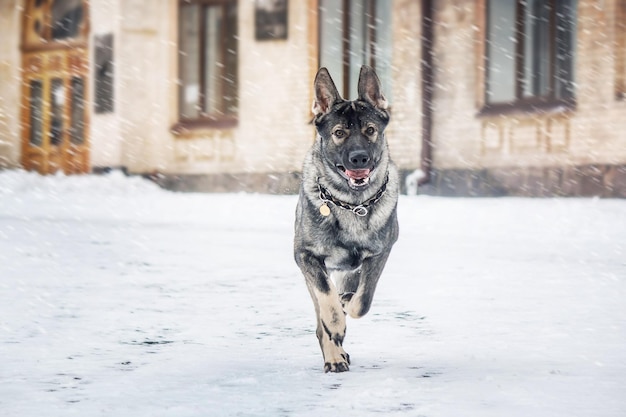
<point x="121" y="299"/>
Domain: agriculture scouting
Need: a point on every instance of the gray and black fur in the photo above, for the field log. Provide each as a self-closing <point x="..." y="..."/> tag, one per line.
<point x="342" y="254"/>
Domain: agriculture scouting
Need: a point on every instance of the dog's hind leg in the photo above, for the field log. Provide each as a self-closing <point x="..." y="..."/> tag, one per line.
<point x="346" y="282"/>
<point x="331" y="320"/>
<point x="359" y="304"/>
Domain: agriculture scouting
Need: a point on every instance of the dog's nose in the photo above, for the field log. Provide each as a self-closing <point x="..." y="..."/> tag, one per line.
<point x="358" y="159"/>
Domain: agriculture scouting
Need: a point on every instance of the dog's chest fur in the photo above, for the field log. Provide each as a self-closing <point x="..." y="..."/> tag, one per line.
<point x="344" y="239"/>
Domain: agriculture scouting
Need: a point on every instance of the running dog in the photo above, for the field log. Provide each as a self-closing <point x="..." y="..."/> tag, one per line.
<point x="346" y="220"/>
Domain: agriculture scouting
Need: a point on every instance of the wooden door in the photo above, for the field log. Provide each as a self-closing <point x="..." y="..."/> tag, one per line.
<point x="55" y="122"/>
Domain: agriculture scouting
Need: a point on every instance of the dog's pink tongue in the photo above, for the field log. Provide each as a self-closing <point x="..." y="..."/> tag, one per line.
<point x="357" y="174"/>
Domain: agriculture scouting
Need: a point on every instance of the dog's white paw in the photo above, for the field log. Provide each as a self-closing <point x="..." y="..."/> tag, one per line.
<point x="337" y="363"/>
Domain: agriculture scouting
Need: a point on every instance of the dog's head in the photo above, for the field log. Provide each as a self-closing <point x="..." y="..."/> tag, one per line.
<point x="351" y="132"/>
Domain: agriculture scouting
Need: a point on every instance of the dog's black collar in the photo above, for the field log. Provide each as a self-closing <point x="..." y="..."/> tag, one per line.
<point x="359" y="209"/>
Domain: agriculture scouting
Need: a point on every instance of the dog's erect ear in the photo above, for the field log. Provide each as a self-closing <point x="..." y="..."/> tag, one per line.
<point x="326" y="93"/>
<point x="370" y="89"/>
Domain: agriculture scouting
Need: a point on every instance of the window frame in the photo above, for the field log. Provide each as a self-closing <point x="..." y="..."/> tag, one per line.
<point x="522" y="103"/>
<point x="204" y="119"/>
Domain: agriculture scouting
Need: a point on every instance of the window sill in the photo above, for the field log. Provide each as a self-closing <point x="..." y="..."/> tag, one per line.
<point x="188" y="126"/>
<point x="528" y="108"/>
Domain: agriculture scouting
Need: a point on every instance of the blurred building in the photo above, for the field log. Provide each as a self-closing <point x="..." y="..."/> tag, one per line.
<point x="488" y="97"/>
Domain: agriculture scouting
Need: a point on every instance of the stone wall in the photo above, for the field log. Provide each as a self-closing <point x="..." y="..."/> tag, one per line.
<point x="600" y="180"/>
<point x="607" y="181"/>
<point x="10" y="82"/>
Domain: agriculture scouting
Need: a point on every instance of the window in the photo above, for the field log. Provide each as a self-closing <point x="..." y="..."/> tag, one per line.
<point x="353" y="33"/>
<point x="530" y="53"/>
<point x="67" y="17"/>
<point x="208" y="62"/>
<point x="54" y="21"/>
<point x="270" y="19"/>
<point x="104" y="73"/>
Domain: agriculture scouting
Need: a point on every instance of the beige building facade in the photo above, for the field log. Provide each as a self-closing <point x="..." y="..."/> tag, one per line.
<point x="215" y="95"/>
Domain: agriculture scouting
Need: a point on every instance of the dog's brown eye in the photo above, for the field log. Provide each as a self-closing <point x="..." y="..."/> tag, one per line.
<point x="370" y="131"/>
<point x="340" y="134"/>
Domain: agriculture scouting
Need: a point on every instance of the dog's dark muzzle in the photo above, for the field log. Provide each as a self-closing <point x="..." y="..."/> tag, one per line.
<point x="358" y="160"/>
<point x="357" y="168"/>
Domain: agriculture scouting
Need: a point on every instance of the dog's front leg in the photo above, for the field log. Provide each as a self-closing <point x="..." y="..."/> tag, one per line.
<point x="331" y="320"/>
<point x="331" y="329"/>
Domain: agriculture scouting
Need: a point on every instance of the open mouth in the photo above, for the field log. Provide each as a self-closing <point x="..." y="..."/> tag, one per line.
<point x="356" y="177"/>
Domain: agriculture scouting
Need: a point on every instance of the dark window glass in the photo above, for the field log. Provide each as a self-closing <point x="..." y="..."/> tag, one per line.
<point x="77" y="111"/>
<point x="67" y="16"/>
<point x="36" y="112"/>
<point x="57" y="100"/>
<point x="565" y="48"/>
<point x="208" y="60"/>
<point x="354" y="33"/>
<point x="501" y="51"/>
<point x="270" y="19"/>
<point x="104" y="73"/>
